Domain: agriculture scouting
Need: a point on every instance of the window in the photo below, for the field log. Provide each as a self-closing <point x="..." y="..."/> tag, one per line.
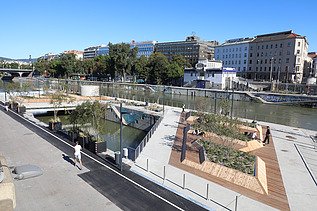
<point x="239" y="62"/>
<point x="264" y="68"/>
<point x="250" y="62"/>
<point x="289" y="44"/>
<point x="260" y="68"/>
<point x="258" y="47"/>
<point x="265" y="61"/>
<point x="267" y="46"/>
<point x="245" y="54"/>
<point x="250" y="54"/>
<point x="249" y="68"/>
<point x="261" y="61"/>
<point x="279" y="61"/>
<point x="262" y="46"/>
<point x="244" y="61"/>
<point x="271" y="46"/>
<point x="298" y="60"/>
<point x="288" y="53"/>
<point x="257" y="54"/>
<point x="281" y="45"/>
<point x="280" y="53"/>
<point x="298" y="51"/>
<point x="251" y="48"/>
<point x="246" y="48"/>
<point x="287" y="60"/>
<point x="275" y="45"/>
<point x="298" y="44"/>
<point x="243" y="68"/>
<point x="256" y="68"/>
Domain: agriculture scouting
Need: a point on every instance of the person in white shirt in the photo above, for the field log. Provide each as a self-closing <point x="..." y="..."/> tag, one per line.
<point x="78" y="155"/>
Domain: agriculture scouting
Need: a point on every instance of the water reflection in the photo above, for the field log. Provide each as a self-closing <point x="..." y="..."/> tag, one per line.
<point x="110" y="132"/>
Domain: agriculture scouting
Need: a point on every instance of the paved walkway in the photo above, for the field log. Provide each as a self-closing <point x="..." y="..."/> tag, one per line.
<point x="99" y="186"/>
<point x="299" y="185"/>
<point x="59" y="188"/>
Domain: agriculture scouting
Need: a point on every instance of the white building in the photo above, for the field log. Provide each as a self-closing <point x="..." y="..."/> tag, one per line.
<point x="210" y="74"/>
<point x="234" y="53"/>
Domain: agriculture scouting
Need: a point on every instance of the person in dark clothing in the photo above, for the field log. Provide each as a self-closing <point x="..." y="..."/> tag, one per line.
<point x="267" y="136"/>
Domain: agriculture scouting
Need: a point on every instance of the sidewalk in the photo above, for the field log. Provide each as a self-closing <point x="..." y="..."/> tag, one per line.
<point x="157" y="152"/>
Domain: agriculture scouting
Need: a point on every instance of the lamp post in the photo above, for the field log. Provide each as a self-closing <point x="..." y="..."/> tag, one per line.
<point x="120" y="156"/>
<point x="271" y="69"/>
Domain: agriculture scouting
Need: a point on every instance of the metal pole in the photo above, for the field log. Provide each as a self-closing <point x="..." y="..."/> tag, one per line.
<point x="207" y="193"/>
<point x="164" y="173"/>
<point x="271" y="69"/>
<point x="215" y="103"/>
<point x="147" y="164"/>
<point x="184" y="180"/>
<point x="120" y="156"/>
<point x="236" y="204"/>
<point x="232" y="104"/>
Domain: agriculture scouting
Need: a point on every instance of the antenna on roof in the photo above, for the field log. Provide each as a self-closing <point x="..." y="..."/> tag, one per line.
<point x="193" y="33"/>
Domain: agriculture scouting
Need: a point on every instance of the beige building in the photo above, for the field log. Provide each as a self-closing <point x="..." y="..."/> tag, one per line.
<point x="277" y="56"/>
<point x="193" y="49"/>
<point x="78" y="54"/>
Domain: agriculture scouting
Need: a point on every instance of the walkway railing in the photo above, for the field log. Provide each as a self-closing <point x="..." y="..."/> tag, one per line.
<point x="182" y="182"/>
<point x="133" y="154"/>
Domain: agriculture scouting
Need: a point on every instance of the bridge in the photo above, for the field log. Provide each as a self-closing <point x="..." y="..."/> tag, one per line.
<point x="17" y="72"/>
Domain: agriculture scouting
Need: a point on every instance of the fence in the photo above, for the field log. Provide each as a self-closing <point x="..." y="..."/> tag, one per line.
<point x="133" y="154"/>
<point x="186" y="183"/>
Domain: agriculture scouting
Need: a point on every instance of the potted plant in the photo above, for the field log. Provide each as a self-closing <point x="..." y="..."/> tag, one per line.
<point x="57" y="99"/>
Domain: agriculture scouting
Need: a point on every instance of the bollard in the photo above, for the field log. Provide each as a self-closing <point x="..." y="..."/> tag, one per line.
<point x="207" y="192"/>
<point x="236" y="204"/>
<point x="147" y="164"/>
<point x="164" y="173"/>
<point x="184" y="181"/>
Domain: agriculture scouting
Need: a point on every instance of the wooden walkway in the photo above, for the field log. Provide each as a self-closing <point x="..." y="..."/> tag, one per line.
<point x="276" y="196"/>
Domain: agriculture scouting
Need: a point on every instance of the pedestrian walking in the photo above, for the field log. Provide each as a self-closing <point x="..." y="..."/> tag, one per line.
<point x="267" y="136"/>
<point x="183" y="108"/>
<point x="78" y="155"/>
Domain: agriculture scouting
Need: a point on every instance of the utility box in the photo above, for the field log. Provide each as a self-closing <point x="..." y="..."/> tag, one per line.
<point x="117" y="157"/>
<point x="89" y="90"/>
<point x="125" y="152"/>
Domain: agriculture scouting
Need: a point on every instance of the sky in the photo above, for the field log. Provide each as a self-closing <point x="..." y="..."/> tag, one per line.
<point x="37" y="27"/>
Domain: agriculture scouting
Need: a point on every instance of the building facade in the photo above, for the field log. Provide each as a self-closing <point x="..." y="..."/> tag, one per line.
<point x="92" y="52"/>
<point x="79" y="55"/>
<point x="145" y="48"/>
<point x="193" y="49"/>
<point x="234" y="53"/>
<point x="277" y="56"/>
<point x="210" y="74"/>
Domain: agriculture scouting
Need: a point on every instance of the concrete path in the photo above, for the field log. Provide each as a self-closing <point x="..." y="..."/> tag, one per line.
<point x="59" y="188"/>
<point x="109" y="188"/>
<point x="297" y="156"/>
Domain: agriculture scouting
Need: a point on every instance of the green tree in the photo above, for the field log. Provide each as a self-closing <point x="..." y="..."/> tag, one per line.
<point x="181" y="61"/>
<point x="140" y="68"/>
<point x="122" y="58"/>
<point x="157" y="67"/>
<point x="174" y="72"/>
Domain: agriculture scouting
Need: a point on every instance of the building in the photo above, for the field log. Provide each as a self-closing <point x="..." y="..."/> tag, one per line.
<point x="210" y="74"/>
<point x="92" y="52"/>
<point x="103" y="50"/>
<point x="193" y="49"/>
<point x="277" y="56"/>
<point x="79" y="55"/>
<point x="49" y="56"/>
<point x="145" y="48"/>
<point x="234" y="53"/>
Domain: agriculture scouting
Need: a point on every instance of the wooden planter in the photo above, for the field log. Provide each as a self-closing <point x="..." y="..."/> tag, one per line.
<point x="55" y="126"/>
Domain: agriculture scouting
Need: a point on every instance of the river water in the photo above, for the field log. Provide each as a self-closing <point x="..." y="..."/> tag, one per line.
<point x="295" y="116"/>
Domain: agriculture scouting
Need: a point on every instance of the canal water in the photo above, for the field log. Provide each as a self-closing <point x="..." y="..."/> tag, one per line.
<point x="294" y="116"/>
<point x="131" y="137"/>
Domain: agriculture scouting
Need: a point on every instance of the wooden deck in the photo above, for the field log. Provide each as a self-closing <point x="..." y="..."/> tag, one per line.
<point x="276" y="196"/>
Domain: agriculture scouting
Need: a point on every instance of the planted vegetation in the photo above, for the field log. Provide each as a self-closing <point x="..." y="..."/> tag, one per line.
<point x="220" y="125"/>
<point x="229" y="157"/>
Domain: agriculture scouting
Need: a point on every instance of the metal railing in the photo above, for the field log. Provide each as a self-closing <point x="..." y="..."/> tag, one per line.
<point x="133" y="154"/>
<point x="170" y="176"/>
